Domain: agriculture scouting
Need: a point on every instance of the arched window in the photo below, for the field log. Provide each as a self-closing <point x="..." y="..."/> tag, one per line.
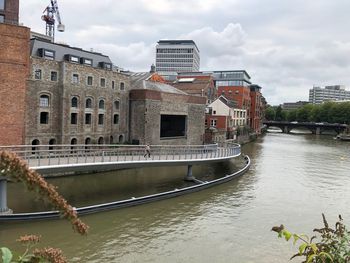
<point x="35" y="142"/>
<point x="74" y="102"/>
<point x="116" y="105"/>
<point x="52" y="142"/>
<point x="101" y="104"/>
<point x="44" y="101"/>
<point x="73" y="141"/>
<point x="121" y="139"/>
<point x="88" y="103"/>
<point x="100" y="140"/>
<point x="111" y="139"/>
<point x="88" y="140"/>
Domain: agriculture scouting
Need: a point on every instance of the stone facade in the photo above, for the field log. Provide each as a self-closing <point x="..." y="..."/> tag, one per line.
<point x="14" y="65"/>
<point x="57" y="109"/>
<point x="147" y="106"/>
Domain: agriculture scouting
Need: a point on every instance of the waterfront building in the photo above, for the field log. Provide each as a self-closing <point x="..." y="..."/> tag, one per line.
<point x="174" y="56"/>
<point x="222" y="120"/>
<point x="256" y="108"/>
<point x="162" y="114"/>
<point x="318" y="95"/>
<point x="197" y="85"/>
<point x="74" y="97"/>
<point x="14" y="68"/>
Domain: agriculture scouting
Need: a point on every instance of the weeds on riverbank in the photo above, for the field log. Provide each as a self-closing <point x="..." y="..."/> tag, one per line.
<point x="333" y="245"/>
<point x="13" y="168"/>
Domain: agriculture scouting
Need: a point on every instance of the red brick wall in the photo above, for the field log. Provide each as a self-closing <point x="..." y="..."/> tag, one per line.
<point x="14" y="67"/>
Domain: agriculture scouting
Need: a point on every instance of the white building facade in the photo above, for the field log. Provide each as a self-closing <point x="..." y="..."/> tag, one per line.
<point x="318" y="95"/>
<point x="174" y="56"/>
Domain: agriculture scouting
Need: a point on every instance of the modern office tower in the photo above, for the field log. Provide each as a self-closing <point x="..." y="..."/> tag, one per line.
<point x="329" y="93"/>
<point x="9" y="11"/>
<point x="174" y="56"/>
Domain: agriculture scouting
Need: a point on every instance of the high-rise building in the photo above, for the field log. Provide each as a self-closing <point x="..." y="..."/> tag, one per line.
<point x="174" y="56"/>
<point x="329" y="93"/>
<point x="9" y="11"/>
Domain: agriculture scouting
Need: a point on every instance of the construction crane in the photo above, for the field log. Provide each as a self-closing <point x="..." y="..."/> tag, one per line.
<point x="52" y="12"/>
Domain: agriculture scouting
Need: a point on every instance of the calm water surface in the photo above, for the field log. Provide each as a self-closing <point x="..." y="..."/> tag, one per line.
<point x="293" y="179"/>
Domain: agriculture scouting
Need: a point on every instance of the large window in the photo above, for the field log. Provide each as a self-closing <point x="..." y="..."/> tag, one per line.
<point x="101" y="119"/>
<point x="101" y="104"/>
<point x="54" y="75"/>
<point x="74" y="102"/>
<point x="172" y="126"/>
<point x="2" y="18"/>
<point x="75" y="78"/>
<point x="2" y="4"/>
<point x="74" y="118"/>
<point x="88" y="103"/>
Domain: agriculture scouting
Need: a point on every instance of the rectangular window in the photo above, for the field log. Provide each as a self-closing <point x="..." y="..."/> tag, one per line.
<point x="213" y="123"/>
<point x="44" y="117"/>
<point x="88" y="118"/>
<point x="74" y="118"/>
<point x="100" y="119"/>
<point x="89" y="80"/>
<point x="113" y="84"/>
<point x="49" y="54"/>
<point x="2" y="4"/>
<point x="75" y="78"/>
<point x="74" y="59"/>
<point x="44" y="101"/>
<point x="86" y="61"/>
<point x="2" y="18"/>
<point x="172" y="126"/>
<point x="37" y="74"/>
<point x="116" y="119"/>
<point x="54" y="76"/>
<point x="103" y="82"/>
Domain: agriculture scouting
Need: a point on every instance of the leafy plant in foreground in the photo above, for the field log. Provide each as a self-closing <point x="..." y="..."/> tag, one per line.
<point x="333" y="245"/>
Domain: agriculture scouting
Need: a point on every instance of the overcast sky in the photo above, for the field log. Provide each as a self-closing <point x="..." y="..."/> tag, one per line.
<point x="285" y="46"/>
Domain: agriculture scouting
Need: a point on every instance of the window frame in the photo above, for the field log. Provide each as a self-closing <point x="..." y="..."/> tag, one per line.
<point x="44" y="101"/>
<point x="47" y="115"/>
<point x="38" y="74"/>
<point x="75" y="78"/>
<point x="52" y="75"/>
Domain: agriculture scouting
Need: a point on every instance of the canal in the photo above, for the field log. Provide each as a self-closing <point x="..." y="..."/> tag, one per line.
<point x="293" y="179"/>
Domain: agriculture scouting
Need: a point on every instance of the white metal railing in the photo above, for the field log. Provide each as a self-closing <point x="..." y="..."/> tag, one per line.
<point x="46" y="155"/>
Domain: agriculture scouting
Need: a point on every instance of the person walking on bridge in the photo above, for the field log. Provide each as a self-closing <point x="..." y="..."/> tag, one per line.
<point x="147" y="151"/>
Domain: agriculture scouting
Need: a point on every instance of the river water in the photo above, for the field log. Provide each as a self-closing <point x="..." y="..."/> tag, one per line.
<point x="292" y="180"/>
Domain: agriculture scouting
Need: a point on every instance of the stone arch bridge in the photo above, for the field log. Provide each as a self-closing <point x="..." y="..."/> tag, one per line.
<point x="315" y="128"/>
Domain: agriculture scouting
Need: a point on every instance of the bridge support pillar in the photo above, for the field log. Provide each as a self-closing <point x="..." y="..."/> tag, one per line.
<point x="286" y="129"/>
<point x="189" y="176"/>
<point x="318" y="131"/>
<point x="3" y="197"/>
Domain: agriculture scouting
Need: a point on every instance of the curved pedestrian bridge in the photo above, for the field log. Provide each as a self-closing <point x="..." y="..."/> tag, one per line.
<point x="63" y="159"/>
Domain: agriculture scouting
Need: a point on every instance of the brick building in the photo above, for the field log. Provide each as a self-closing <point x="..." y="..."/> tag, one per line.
<point x="256" y="115"/>
<point x="162" y="114"/>
<point x="14" y="68"/>
<point x="74" y="97"/>
<point x="197" y="85"/>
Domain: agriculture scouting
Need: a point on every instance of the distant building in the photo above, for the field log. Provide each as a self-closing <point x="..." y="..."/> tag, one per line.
<point x="222" y="120"/>
<point x="9" y="11"/>
<point x="197" y="85"/>
<point x="174" y="56"/>
<point x="162" y="114"/>
<point x="294" y="105"/>
<point x="14" y="69"/>
<point x="318" y="95"/>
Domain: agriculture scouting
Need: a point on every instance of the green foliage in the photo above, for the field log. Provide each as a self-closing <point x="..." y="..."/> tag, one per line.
<point x="333" y="245"/>
<point x="331" y="112"/>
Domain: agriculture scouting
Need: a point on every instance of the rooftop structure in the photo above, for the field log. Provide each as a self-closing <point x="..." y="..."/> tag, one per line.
<point x="174" y="56"/>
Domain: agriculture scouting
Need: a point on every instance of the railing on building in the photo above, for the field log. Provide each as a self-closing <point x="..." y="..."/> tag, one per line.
<point x="46" y="155"/>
